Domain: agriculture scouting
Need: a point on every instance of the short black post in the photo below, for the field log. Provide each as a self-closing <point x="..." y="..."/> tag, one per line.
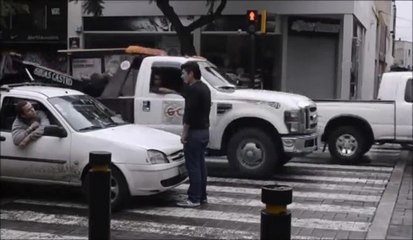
<point x="275" y="218"/>
<point x="99" y="195"/>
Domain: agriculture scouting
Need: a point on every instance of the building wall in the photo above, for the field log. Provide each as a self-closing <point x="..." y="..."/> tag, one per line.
<point x="403" y="54"/>
<point x="364" y="13"/>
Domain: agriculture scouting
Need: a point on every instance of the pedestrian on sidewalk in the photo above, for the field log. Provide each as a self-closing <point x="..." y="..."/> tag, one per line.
<point x="195" y="134"/>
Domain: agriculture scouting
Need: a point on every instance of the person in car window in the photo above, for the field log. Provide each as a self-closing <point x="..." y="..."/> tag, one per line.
<point x="157" y="85"/>
<point x="28" y="125"/>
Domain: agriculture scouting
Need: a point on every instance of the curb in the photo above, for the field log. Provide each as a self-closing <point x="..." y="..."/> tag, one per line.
<point x="379" y="226"/>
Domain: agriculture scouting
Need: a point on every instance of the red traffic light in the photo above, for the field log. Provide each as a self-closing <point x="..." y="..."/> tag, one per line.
<point x="252" y="15"/>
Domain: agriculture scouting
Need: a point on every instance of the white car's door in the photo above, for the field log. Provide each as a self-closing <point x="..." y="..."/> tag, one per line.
<point x="47" y="158"/>
<point x="404" y="114"/>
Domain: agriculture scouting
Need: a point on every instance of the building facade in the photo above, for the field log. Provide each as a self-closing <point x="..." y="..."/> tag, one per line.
<point x="403" y="54"/>
<point x="36" y="29"/>
<point x="321" y="49"/>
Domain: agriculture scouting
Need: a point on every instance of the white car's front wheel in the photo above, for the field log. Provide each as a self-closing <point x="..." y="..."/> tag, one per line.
<point x="119" y="192"/>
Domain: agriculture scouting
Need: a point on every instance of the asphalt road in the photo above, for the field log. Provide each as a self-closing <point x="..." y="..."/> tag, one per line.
<point x="329" y="201"/>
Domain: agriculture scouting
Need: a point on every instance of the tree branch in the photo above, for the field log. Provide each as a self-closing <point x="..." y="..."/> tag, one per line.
<point x="207" y="18"/>
<point x="170" y="14"/>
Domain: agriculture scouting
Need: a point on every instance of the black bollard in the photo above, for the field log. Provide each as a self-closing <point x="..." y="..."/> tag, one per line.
<point x="275" y="218"/>
<point x="99" y="195"/>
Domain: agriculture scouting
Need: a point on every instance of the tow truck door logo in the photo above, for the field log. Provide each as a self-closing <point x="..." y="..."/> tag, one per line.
<point x="173" y="112"/>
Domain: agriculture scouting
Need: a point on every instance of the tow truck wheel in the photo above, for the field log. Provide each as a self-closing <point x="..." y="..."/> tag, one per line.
<point x="346" y="144"/>
<point x="252" y="153"/>
<point x="118" y="189"/>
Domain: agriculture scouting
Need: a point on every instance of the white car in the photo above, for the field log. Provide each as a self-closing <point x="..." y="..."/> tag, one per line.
<point x="145" y="161"/>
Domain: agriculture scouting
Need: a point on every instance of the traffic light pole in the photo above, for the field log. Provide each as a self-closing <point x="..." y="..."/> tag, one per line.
<point x="252" y="60"/>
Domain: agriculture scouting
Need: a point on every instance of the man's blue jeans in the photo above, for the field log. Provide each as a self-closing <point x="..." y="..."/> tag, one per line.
<point x="194" y="150"/>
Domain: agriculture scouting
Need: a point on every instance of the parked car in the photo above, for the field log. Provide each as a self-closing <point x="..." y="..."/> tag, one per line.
<point x="145" y="161"/>
<point x="350" y="128"/>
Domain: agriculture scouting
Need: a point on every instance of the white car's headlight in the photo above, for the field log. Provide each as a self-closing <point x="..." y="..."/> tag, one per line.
<point x="156" y="157"/>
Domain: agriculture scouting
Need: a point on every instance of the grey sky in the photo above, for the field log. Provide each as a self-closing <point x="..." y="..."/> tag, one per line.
<point x="404" y="20"/>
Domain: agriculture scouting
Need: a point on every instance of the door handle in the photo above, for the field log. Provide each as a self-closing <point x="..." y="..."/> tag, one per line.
<point x="2" y="139"/>
<point x="146" y="106"/>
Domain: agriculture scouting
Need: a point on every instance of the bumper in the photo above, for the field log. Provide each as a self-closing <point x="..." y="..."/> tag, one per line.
<point x="299" y="145"/>
<point x="152" y="179"/>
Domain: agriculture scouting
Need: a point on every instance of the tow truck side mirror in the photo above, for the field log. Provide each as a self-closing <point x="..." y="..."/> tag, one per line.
<point x="55" y="131"/>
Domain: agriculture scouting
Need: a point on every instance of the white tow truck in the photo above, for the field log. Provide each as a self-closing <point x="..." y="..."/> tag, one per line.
<point x="350" y="128"/>
<point x="258" y="130"/>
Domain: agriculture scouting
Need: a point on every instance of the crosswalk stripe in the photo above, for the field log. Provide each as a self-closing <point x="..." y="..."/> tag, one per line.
<point x="132" y="226"/>
<point x="17" y="234"/>
<point x="327" y="186"/>
<point x="333" y="179"/>
<point x="217" y="215"/>
<point x="224" y="160"/>
<point x="251" y="218"/>
<point x="341" y="173"/>
<point x="257" y="192"/>
<point x="294" y="205"/>
<point x="339" y="167"/>
<point x="235" y="202"/>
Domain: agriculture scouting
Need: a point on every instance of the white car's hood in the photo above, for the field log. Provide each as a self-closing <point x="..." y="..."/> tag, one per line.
<point x="270" y="96"/>
<point x="139" y="136"/>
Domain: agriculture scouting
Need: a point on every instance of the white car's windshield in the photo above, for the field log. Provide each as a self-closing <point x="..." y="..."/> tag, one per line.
<point x="212" y="75"/>
<point x="85" y="113"/>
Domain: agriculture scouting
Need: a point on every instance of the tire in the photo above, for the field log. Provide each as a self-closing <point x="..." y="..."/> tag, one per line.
<point x="284" y="160"/>
<point x="119" y="189"/>
<point x="252" y="153"/>
<point x="347" y="144"/>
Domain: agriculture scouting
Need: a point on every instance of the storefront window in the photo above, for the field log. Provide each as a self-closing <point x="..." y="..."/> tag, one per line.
<point x="231" y="54"/>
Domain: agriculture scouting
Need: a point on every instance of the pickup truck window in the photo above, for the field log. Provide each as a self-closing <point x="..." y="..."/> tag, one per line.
<point x="166" y="79"/>
<point x="84" y="113"/>
<point x="214" y="77"/>
<point x="408" y="96"/>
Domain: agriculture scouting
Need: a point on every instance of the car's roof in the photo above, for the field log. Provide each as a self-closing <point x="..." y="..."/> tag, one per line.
<point x="400" y="74"/>
<point x="43" y="91"/>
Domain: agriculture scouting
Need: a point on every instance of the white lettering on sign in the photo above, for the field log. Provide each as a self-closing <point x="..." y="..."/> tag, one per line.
<point x="302" y="26"/>
<point x="53" y="76"/>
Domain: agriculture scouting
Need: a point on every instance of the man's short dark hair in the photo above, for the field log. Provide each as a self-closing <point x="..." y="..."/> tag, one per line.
<point x="193" y="67"/>
<point x="19" y="107"/>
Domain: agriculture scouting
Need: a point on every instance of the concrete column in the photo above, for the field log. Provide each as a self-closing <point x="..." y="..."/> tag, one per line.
<point x="344" y="69"/>
<point x="74" y="21"/>
<point x="284" y="54"/>
<point x="197" y="40"/>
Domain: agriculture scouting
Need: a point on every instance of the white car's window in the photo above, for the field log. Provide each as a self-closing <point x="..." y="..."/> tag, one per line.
<point x="85" y="113"/>
<point x="8" y="112"/>
<point x="408" y="96"/>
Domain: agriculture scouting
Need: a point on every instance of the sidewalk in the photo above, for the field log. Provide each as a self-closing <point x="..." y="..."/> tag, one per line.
<point x="401" y="224"/>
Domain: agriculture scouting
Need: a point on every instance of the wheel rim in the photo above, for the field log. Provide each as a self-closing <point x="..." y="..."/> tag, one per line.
<point x="114" y="189"/>
<point x="346" y="145"/>
<point x="250" y="153"/>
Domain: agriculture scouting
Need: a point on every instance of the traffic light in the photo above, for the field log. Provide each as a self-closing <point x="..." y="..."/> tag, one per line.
<point x="252" y="21"/>
<point x="270" y="22"/>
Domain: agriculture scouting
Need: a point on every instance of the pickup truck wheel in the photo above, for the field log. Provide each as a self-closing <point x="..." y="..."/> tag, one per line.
<point x="119" y="192"/>
<point x="346" y="144"/>
<point x="253" y="153"/>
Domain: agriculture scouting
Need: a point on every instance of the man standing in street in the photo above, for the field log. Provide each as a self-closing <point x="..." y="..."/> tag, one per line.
<point x="195" y="135"/>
